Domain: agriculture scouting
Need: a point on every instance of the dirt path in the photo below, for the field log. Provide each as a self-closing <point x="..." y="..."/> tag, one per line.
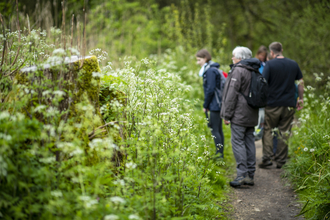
<point x="270" y="198"/>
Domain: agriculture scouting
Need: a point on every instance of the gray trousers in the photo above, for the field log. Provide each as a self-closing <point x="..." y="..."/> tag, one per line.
<point x="242" y="140"/>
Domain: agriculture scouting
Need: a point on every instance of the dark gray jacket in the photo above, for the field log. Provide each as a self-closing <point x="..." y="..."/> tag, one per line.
<point x="234" y="106"/>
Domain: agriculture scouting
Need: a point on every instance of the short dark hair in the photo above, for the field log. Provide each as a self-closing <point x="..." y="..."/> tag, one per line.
<point x="276" y="47"/>
<point x="203" y="53"/>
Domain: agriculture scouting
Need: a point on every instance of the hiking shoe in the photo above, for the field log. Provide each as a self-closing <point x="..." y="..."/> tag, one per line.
<point x="265" y="164"/>
<point x="279" y="166"/>
<point x="249" y="181"/>
<point x="240" y="180"/>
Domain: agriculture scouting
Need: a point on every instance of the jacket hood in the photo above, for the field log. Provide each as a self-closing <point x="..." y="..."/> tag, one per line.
<point x="254" y="63"/>
<point x="214" y="64"/>
<point x="211" y="64"/>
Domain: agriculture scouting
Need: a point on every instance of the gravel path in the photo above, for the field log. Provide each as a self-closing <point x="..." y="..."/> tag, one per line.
<point x="270" y="198"/>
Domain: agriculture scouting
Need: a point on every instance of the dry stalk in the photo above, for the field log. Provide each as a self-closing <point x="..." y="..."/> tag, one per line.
<point x="19" y="36"/>
<point x="4" y="42"/>
<point x="28" y="20"/>
<point x="84" y="36"/>
<point x="63" y="24"/>
<point x="78" y="35"/>
<point x="72" y="30"/>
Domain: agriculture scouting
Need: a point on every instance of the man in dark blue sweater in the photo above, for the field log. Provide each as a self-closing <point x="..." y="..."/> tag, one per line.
<point x="281" y="74"/>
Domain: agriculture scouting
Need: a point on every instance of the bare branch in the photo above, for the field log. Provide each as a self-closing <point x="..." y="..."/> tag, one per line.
<point x="107" y="124"/>
<point x="91" y="137"/>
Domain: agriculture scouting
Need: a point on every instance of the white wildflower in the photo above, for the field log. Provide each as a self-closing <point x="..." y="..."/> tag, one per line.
<point x="90" y="203"/>
<point x="119" y="182"/>
<point x="56" y="193"/>
<point x="96" y="74"/>
<point x="117" y="200"/>
<point x="59" y="51"/>
<point x="305" y="149"/>
<point x="47" y="160"/>
<point x="131" y="165"/>
<point x="4" y="115"/>
<point x="95" y="143"/>
<point x="59" y="93"/>
<point x="77" y="151"/>
<point x="39" y="108"/>
<point x="111" y="217"/>
<point x="132" y="216"/>
<point x="312" y="150"/>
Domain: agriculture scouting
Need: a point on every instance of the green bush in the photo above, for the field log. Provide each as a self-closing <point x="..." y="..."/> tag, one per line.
<point x="309" y="168"/>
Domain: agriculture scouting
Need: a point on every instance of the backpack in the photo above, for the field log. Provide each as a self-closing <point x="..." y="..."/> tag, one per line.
<point x="258" y="93"/>
<point x="218" y="92"/>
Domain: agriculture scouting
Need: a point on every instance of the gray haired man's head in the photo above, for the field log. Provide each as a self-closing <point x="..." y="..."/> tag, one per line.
<point x="242" y="53"/>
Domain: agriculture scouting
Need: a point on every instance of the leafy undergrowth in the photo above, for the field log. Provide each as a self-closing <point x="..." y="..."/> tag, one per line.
<point x="150" y="159"/>
<point x="309" y="167"/>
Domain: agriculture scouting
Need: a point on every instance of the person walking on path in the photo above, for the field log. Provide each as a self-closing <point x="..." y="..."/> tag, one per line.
<point x="281" y="74"/>
<point x="243" y="118"/>
<point x="262" y="55"/>
<point x="213" y="83"/>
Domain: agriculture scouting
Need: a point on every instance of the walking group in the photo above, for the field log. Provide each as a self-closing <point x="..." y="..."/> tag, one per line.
<point x="269" y="86"/>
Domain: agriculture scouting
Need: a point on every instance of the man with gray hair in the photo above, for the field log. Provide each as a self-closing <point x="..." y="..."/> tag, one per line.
<point x="243" y="118"/>
<point x="281" y="74"/>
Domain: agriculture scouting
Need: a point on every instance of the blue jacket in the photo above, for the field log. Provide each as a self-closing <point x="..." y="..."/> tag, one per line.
<point x="211" y="80"/>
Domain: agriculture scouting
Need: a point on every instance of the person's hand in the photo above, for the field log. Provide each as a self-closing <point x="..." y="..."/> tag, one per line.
<point x="205" y="110"/>
<point x="300" y="104"/>
<point x="226" y="122"/>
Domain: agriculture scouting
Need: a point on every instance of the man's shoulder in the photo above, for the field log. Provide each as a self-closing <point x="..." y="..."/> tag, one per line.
<point x="281" y="60"/>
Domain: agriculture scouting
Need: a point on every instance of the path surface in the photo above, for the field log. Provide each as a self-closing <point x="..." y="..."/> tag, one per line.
<point x="270" y="198"/>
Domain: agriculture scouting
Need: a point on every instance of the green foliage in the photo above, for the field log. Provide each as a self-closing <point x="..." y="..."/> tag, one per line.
<point x="151" y="162"/>
<point x="310" y="150"/>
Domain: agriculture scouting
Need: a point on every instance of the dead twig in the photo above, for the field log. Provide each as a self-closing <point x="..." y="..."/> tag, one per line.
<point x="91" y="137"/>
<point x="107" y="124"/>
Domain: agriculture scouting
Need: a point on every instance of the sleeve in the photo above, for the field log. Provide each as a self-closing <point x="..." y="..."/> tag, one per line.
<point x="210" y="87"/>
<point x="266" y="72"/>
<point x="299" y="74"/>
<point x="231" y="98"/>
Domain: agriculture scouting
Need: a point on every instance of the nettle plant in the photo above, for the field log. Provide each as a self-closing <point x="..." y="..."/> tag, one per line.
<point x="310" y="147"/>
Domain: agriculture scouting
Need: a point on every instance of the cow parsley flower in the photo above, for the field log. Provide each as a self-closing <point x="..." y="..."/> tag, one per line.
<point x="111" y="217"/>
<point x="117" y="200"/>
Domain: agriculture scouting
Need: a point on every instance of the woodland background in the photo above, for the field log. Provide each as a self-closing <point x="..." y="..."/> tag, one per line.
<point x="141" y="28"/>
